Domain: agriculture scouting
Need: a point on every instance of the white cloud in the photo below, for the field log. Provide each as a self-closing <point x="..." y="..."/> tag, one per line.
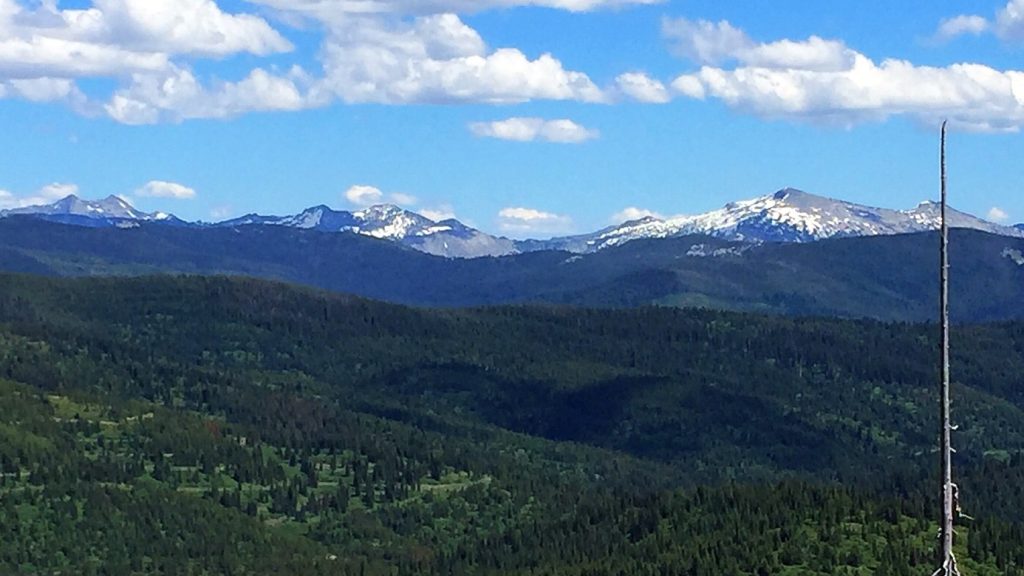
<point x="440" y="213"/>
<point x="531" y="129"/>
<point x="7" y="200"/>
<point x="517" y="220"/>
<point x="45" y="195"/>
<point x="57" y="191"/>
<point x="633" y="213"/>
<point x="1010" y="21"/>
<point x="178" y="95"/>
<point x="364" y="195"/>
<point x="44" y="50"/>
<point x="144" y="27"/>
<point x="373" y="51"/>
<point x="42" y="57"/>
<point x="642" y="88"/>
<point x="178" y="27"/>
<point x="961" y="25"/>
<point x="997" y="214"/>
<point x="43" y="90"/>
<point x="689" y="86"/>
<point x="824" y="81"/>
<point x="404" y="199"/>
<point x="1008" y="24"/>
<point x="437" y="59"/>
<point x="333" y="9"/>
<point x="707" y="42"/>
<point x="163" y="189"/>
<point x="704" y="42"/>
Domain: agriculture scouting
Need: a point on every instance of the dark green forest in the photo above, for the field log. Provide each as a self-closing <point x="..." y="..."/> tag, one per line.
<point x="211" y="425"/>
<point x="886" y="277"/>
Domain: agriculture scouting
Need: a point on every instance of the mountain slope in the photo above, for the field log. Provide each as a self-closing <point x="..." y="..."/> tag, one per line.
<point x="886" y="277"/>
<point x="449" y="238"/>
<point x="598" y="377"/>
<point x="218" y="426"/>
<point x="110" y="211"/>
<point x="787" y="216"/>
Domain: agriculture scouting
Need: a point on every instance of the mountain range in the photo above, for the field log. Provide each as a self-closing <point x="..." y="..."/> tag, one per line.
<point x="787" y="216"/>
<point x="112" y="211"/>
<point x="883" y="277"/>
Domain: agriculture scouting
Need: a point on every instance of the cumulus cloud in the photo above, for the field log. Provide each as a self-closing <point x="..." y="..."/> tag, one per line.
<point x="372" y="51"/>
<point x="44" y="50"/>
<point x="997" y="214"/>
<point x="518" y="220"/>
<point x="45" y="89"/>
<point x="114" y="37"/>
<point x="364" y="196"/>
<point x="961" y="25"/>
<point x="178" y="95"/>
<point x="164" y="189"/>
<point x="437" y="59"/>
<point x="328" y="10"/>
<point x="1008" y="24"/>
<point x="533" y="129"/>
<point x="145" y="27"/>
<point x="403" y="199"/>
<point x="439" y="213"/>
<point x="633" y="213"/>
<point x="703" y="41"/>
<point x="824" y="81"/>
<point x="642" y="88"/>
<point x="46" y="195"/>
<point x="1010" y="21"/>
<point x="707" y="42"/>
<point x="179" y="27"/>
<point x="57" y="191"/>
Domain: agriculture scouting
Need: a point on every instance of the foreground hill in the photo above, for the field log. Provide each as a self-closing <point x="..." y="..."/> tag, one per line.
<point x="251" y="427"/>
<point x="885" y="277"/>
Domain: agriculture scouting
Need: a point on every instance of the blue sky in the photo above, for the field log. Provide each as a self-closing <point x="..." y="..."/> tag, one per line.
<point x="521" y="117"/>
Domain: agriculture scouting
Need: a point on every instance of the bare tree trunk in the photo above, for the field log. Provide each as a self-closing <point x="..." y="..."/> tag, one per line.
<point x="949" y="490"/>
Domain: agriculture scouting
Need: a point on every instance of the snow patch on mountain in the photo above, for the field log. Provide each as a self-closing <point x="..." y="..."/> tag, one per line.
<point x="449" y="238"/>
<point x="789" y="215"/>
<point x="110" y="211"/>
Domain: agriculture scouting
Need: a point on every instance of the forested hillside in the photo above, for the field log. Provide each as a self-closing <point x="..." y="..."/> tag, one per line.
<point x="228" y="426"/>
<point x="886" y="278"/>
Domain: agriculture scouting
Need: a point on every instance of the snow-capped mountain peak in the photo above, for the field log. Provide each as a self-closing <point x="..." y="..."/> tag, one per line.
<point x="450" y="238"/>
<point x="391" y="222"/>
<point x="74" y="209"/>
<point x="789" y="215"/>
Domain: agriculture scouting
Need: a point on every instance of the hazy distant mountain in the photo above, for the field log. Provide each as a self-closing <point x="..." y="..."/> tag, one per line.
<point x="884" y="277"/>
<point x="111" y="211"/>
<point x="787" y="216"/>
